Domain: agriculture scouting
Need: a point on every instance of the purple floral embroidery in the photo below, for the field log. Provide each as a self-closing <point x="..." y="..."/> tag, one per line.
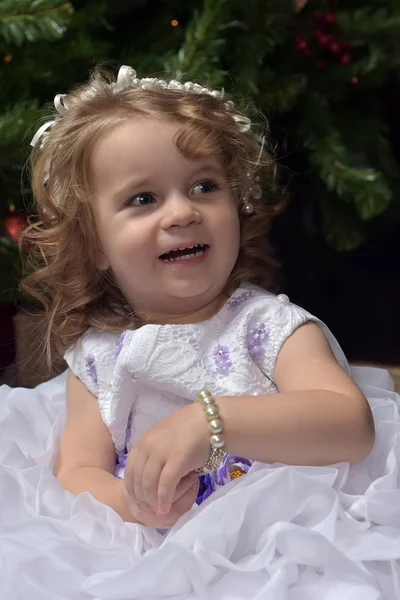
<point x="229" y="465"/>
<point x="91" y="367"/>
<point x="256" y="340"/>
<point x="119" y="344"/>
<point x="236" y="301"/>
<point x="260" y="332"/>
<point x="222" y="359"/>
<point x="206" y="488"/>
<point x="256" y="351"/>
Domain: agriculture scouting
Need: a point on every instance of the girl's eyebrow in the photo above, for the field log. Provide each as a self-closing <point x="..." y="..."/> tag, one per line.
<point x="131" y="185"/>
<point x="143" y="183"/>
<point x="207" y="168"/>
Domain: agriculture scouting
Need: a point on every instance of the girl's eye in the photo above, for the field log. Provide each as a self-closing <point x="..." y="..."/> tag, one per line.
<point x="141" y="200"/>
<point x="205" y="187"/>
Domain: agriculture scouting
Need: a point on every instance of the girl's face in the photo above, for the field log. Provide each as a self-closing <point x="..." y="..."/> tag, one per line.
<point x="150" y="201"/>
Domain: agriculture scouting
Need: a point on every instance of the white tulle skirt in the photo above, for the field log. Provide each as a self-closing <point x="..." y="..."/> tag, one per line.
<point x="279" y="533"/>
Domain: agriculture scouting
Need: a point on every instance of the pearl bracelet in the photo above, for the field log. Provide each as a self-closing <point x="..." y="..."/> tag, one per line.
<point x="217" y="440"/>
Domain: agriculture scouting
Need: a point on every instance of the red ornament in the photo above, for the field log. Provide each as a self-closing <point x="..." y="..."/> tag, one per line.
<point x="355" y="80"/>
<point x="345" y="59"/>
<point x="329" y="18"/>
<point x="14" y="224"/>
<point x="335" y="48"/>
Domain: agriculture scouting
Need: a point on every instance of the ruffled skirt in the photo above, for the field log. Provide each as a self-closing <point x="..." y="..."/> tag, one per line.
<point x="277" y="533"/>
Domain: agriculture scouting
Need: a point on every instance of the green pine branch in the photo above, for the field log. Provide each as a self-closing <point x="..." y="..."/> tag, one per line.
<point x="366" y="23"/>
<point x="350" y="176"/>
<point x="280" y="95"/>
<point x="375" y="66"/>
<point x="340" y="224"/>
<point x="261" y="31"/>
<point x="27" y="20"/>
<point x="370" y="136"/>
<point x="199" y="55"/>
<point x="365" y="187"/>
<point x="276" y="23"/>
<point x="15" y="124"/>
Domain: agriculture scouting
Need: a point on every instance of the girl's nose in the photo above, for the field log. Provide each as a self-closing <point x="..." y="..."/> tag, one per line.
<point x="179" y="211"/>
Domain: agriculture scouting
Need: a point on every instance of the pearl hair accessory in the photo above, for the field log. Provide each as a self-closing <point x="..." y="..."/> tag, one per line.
<point x="217" y="440"/>
<point x="253" y="190"/>
<point x="127" y="79"/>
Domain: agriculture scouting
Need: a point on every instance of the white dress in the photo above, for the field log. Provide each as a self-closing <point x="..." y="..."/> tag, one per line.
<point x="276" y="533"/>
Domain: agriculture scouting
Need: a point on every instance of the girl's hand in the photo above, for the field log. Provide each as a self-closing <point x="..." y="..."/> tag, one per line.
<point x="184" y="498"/>
<point x="164" y="455"/>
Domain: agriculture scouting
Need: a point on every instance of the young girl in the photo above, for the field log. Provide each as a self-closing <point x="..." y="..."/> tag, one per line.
<point x="187" y="375"/>
<point x="151" y="194"/>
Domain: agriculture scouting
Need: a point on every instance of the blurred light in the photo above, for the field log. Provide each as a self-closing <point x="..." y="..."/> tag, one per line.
<point x="14" y="226"/>
<point x="11" y="208"/>
<point x="8" y="58"/>
<point x="174" y="23"/>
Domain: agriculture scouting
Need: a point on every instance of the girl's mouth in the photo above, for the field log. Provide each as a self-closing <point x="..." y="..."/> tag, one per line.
<point x="185" y="254"/>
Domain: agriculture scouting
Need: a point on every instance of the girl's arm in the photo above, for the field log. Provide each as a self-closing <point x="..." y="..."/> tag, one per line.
<point x="319" y="417"/>
<point x="86" y="463"/>
<point x="86" y="458"/>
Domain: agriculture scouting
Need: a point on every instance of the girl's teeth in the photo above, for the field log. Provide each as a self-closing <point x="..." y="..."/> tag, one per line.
<point x="185" y="257"/>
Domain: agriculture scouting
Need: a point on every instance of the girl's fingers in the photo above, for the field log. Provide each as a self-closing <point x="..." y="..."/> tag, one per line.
<point x="184" y="503"/>
<point x="150" y="480"/>
<point x="169" y="480"/>
<point x="184" y="485"/>
<point x="138" y="466"/>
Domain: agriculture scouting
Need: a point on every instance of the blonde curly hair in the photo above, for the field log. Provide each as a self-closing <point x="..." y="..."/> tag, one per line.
<point x="62" y="240"/>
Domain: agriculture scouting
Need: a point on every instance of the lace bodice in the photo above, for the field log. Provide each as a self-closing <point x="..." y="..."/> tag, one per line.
<point x="144" y="375"/>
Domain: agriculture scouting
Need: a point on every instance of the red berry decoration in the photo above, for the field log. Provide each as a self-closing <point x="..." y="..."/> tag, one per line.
<point x="301" y="43"/>
<point x="318" y="33"/>
<point x="318" y="15"/>
<point x="345" y="59"/>
<point x="355" y="80"/>
<point x="329" y="18"/>
<point x="324" y="41"/>
<point x="335" y="48"/>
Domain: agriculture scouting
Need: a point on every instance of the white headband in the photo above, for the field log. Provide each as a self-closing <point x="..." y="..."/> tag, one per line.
<point x="126" y="80"/>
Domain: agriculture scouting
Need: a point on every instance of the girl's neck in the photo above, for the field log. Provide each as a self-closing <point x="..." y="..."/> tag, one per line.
<point x="197" y="315"/>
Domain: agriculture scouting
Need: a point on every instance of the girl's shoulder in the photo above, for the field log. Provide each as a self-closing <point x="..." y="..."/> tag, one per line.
<point x="93" y="358"/>
<point x="270" y="320"/>
<point x="250" y="302"/>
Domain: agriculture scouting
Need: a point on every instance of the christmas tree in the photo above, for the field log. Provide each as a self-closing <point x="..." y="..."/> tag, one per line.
<point x="316" y="69"/>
